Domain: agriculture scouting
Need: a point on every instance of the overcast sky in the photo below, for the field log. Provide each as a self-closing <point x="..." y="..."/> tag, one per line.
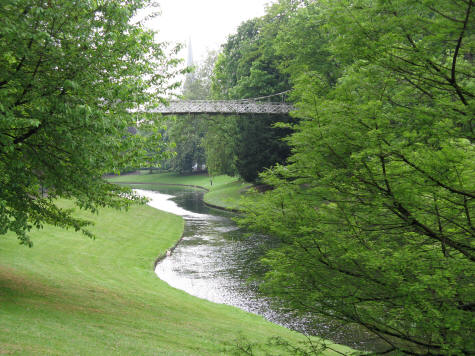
<point x="207" y="22"/>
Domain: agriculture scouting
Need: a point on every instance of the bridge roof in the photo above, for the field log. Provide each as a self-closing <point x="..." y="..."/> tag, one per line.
<point x="229" y="107"/>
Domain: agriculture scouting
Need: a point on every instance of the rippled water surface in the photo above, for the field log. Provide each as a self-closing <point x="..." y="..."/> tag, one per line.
<point x="215" y="259"/>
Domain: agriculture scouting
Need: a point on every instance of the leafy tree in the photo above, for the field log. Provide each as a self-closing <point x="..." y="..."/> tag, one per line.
<point x="74" y="76"/>
<point x="218" y="145"/>
<point x="302" y="44"/>
<point x="187" y="132"/>
<point x="197" y="85"/>
<point x="375" y="209"/>
<point x="248" y="68"/>
<point x="260" y="145"/>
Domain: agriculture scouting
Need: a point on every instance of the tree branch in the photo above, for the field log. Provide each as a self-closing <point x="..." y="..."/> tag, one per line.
<point x="30" y="133"/>
<point x="436" y="181"/>
<point x="406" y="215"/>
<point x="459" y="44"/>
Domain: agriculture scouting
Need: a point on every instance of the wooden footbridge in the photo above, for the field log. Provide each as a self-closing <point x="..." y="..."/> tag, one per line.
<point x="253" y="106"/>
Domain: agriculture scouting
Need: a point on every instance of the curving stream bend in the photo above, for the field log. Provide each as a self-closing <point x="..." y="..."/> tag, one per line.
<point x="212" y="261"/>
<point x="215" y="259"/>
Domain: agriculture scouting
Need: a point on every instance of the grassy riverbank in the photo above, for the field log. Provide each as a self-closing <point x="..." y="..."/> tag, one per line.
<point x="227" y="195"/>
<point x="70" y="295"/>
<point x="224" y="191"/>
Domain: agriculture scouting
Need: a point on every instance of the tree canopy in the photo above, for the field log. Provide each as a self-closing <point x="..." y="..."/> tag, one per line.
<point x="248" y="67"/>
<point x="187" y="132"/>
<point x="375" y="208"/>
<point x="74" y="79"/>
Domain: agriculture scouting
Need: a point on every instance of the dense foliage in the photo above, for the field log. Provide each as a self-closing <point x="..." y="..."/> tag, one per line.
<point x="74" y="76"/>
<point x="248" y="68"/>
<point x="187" y="132"/>
<point x="375" y="210"/>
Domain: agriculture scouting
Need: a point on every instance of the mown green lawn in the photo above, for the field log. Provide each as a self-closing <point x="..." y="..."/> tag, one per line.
<point x="201" y="180"/>
<point x="69" y="295"/>
<point x="227" y="195"/>
<point x="225" y="191"/>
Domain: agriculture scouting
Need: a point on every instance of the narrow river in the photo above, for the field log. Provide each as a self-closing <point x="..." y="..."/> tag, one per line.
<point x="215" y="261"/>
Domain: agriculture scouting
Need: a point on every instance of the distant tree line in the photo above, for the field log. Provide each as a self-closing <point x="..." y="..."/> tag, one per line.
<point x="245" y="145"/>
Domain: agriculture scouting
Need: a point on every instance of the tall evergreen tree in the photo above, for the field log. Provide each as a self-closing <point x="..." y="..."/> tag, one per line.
<point x="248" y="68"/>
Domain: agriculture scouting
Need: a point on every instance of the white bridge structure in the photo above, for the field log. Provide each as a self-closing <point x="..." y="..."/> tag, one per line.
<point x="223" y="107"/>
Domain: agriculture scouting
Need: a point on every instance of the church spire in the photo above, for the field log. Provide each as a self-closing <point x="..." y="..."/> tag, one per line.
<point x="190" y="77"/>
<point x="189" y="61"/>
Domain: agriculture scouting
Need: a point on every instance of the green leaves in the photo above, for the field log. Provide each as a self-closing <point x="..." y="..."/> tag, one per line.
<point x="249" y="68"/>
<point x="375" y="208"/>
<point x="74" y="79"/>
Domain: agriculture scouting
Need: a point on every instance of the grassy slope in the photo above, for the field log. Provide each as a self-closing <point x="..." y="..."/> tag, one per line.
<point x="227" y="195"/>
<point x="225" y="191"/>
<point x="201" y="180"/>
<point x="71" y="295"/>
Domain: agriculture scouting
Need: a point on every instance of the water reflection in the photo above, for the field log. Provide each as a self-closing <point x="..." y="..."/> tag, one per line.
<point x="162" y="202"/>
<point x="211" y="260"/>
<point x="215" y="259"/>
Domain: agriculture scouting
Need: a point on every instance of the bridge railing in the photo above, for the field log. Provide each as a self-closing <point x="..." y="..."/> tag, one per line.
<point x="245" y="106"/>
